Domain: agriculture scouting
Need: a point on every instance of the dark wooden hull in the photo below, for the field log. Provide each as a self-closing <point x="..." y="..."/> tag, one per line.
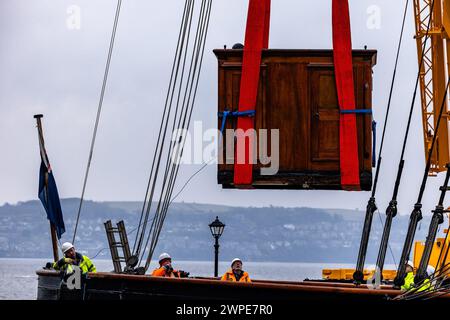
<point x="109" y="286"/>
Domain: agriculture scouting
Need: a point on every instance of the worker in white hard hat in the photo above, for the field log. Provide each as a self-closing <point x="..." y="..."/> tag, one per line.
<point x="165" y="268"/>
<point x="73" y="258"/>
<point x="409" y="278"/>
<point x="236" y="274"/>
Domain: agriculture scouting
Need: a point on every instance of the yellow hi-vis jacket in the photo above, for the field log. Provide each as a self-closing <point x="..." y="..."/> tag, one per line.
<point x="82" y="261"/>
<point x="409" y="284"/>
<point x="409" y="281"/>
<point x="426" y="285"/>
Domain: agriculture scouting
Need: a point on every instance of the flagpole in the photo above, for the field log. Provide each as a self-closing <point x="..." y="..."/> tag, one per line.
<point x="38" y="118"/>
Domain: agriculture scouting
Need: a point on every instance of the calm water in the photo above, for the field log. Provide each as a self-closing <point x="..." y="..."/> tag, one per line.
<point x="18" y="279"/>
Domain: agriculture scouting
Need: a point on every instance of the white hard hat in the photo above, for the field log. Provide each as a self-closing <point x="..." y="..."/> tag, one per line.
<point x="410" y="263"/>
<point x="163" y="256"/>
<point x="235" y="260"/>
<point x="430" y="270"/>
<point x="66" y="247"/>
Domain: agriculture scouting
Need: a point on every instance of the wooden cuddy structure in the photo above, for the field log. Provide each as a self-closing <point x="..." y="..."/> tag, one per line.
<point x="111" y="286"/>
<point x="297" y="95"/>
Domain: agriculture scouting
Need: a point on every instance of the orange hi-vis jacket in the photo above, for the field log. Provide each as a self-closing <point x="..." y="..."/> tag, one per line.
<point x="229" y="276"/>
<point x="161" y="272"/>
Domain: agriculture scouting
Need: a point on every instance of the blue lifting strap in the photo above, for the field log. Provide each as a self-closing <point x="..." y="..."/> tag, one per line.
<point x="226" y="113"/>
<point x="357" y="111"/>
<point x="374" y="143"/>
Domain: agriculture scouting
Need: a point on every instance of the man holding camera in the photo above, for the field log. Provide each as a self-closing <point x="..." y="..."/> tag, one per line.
<point x="165" y="268"/>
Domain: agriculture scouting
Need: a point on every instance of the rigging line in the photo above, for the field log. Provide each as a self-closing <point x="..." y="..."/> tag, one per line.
<point x="197" y="75"/>
<point x="430" y="151"/>
<point x="171" y="92"/>
<point x="169" y="190"/>
<point x="175" y="116"/>
<point x="401" y="163"/>
<point x="164" y="122"/>
<point x="389" y="100"/>
<point x="439" y="274"/>
<point x="371" y="204"/>
<point x="189" y="180"/>
<point x="414" y="293"/>
<point x="416" y="214"/>
<point x="174" y="143"/>
<point x="162" y="210"/>
<point x="161" y="125"/>
<point x="448" y="247"/>
<point x="97" y="120"/>
<point x="176" y="125"/>
<point x="166" y="206"/>
<point x="392" y="209"/>
<point x="169" y="195"/>
<point x="159" y="151"/>
<point x="437" y="288"/>
<point x="389" y="246"/>
<point x="185" y="106"/>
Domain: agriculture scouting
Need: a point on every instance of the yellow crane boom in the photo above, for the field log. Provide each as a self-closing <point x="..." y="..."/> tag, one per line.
<point x="433" y="79"/>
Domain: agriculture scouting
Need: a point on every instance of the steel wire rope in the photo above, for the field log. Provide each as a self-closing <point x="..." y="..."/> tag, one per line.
<point x="99" y="109"/>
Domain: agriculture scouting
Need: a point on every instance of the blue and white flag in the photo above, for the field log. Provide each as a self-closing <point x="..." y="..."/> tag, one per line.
<point x="48" y="192"/>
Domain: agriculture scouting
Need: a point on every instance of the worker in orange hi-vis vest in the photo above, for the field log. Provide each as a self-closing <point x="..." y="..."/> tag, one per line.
<point x="236" y="273"/>
<point x="165" y="268"/>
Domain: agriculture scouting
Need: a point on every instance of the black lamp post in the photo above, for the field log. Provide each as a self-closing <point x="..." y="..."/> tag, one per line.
<point x="216" y="230"/>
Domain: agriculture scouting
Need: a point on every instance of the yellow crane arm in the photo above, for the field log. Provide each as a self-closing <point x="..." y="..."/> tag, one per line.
<point x="433" y="77"/>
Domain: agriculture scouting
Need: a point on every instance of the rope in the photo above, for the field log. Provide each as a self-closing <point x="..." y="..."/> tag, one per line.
<point x="374" y="188"/>
<point x="391" y="210"/>
<point x="411" y="228"/>
<point x="389" y="246"/>
<point x="162" y="129"/>
<point x="413" y="102"/>
<point x="171" y="92"/>
<point x="413" y="293"/>
<point x="99" y="110"/>
<point x="371" y="204"/>
<point x="178" y="109"/>
<point x="176" y="152"/>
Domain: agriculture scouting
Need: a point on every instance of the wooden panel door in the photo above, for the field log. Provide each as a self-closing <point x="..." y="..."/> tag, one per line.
<point x="324" y="119"/>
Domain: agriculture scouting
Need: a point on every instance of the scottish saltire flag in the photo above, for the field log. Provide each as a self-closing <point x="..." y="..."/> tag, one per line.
<point x="48" y="192"/>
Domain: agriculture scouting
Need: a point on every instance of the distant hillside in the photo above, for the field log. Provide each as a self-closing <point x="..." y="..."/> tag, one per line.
<point x="255" y="234"/>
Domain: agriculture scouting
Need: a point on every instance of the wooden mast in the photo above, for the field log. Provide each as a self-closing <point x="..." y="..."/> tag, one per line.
<point x="52" y="227"/>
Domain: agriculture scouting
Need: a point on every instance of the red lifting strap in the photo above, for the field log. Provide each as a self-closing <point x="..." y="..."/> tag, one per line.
<point x="343" y="63"/>
<point x="256" y="39"/>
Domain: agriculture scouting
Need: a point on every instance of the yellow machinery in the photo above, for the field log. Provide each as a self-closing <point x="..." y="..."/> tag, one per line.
<point x="436" y="60"/>
<point x="435" y="68"/>
<point x="439" y="252"/>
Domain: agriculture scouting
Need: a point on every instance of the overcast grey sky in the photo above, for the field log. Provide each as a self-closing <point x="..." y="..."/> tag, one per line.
<point x="48" y="68"/>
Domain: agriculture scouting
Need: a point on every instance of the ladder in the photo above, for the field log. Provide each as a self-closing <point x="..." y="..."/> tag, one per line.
<point x="115" y="245"/>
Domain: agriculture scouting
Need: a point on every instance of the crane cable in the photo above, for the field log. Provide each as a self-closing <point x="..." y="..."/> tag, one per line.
<point x="99" y="110"/>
